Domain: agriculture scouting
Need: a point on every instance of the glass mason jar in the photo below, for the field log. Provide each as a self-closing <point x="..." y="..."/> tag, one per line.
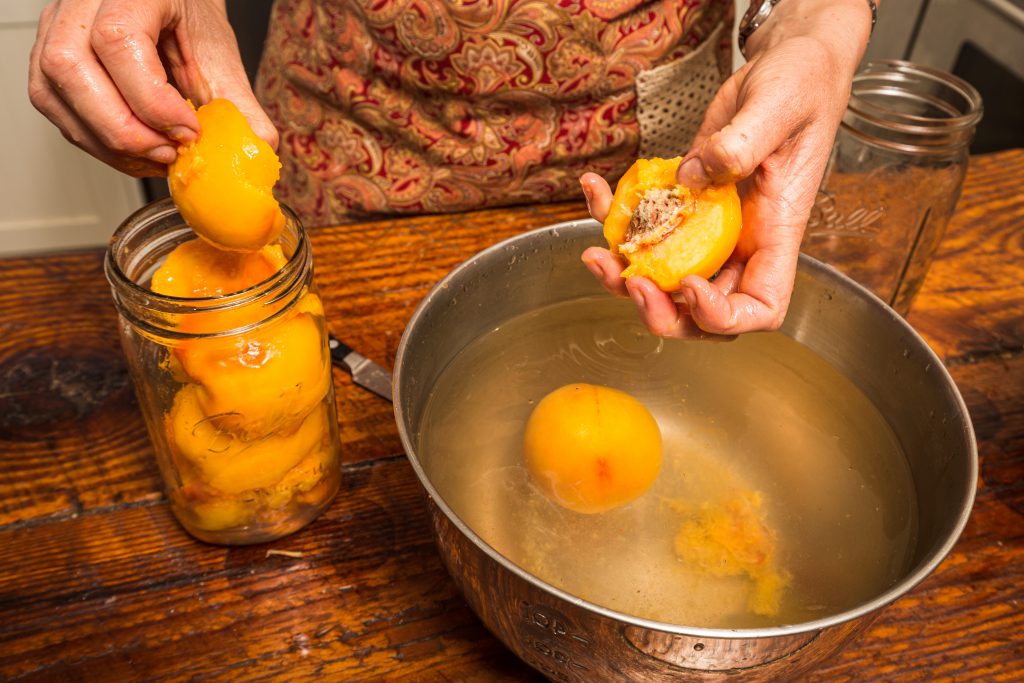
<point x="236" y="389"/>
<point x="894" y="177"/>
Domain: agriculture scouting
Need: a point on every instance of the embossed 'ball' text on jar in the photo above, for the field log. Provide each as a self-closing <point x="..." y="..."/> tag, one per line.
<point x="236" y="389"/>
<point x="894" y="177"/>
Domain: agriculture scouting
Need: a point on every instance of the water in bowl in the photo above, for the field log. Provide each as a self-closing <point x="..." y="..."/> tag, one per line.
<point x="760" y="417"/>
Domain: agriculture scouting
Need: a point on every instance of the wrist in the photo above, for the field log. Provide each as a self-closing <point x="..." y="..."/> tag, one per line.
<point x="845" y="24"/>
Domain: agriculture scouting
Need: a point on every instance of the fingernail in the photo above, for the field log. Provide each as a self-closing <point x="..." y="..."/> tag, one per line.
<point x="594" y="268"/>
<point x="164" y="154"/>
<point x="181" y="134"/>
<point x="638" y="298"/>
<point x="586" y="193"/>
<point x="692" y="174"/>
<point x="690" y="297"/>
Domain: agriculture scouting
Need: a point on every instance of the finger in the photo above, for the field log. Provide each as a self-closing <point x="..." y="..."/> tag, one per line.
<point x="720" y="111"/>
<point x="38" y="85"/>
<point x="213" y="69"/>
<point x="45" y="19"/>
<point x="78" y="134"/>
<point x="760" y="304"/>
<point x="124" y="37"/>
<point x="46" y="100"/>
<point x="241" y="94"/>
<point x="662" y="316"/>
<point x="598" y="194"/>
<point x="67" y="61"/>
<point x="607" y="268"/>
<point x="734" y="152"/>
<point x="726" y="280"/>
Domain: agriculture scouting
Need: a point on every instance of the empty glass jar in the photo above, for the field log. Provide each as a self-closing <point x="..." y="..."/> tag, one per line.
<point x="236" y="389"/>
<point x="894" y="177"/>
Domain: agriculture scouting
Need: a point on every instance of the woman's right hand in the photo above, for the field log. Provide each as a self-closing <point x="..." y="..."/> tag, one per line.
<point x="114" y="75"/>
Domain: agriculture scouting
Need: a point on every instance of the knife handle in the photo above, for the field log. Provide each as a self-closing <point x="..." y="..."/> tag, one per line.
<point x="339" y="350"/>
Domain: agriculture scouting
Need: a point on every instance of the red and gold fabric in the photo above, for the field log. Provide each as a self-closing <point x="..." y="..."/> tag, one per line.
<point x="427" y="106"/>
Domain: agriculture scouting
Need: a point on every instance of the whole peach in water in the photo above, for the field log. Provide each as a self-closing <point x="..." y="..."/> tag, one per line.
<point x="591" y="448"/>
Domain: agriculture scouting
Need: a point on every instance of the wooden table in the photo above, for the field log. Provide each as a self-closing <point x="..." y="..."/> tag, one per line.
<point x="98" y="583"/>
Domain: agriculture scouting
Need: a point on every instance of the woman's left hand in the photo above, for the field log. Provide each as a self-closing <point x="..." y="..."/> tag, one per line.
<point x="771" y="127"/>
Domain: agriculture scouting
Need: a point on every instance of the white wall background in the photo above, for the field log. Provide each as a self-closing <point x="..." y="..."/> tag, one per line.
<point x="52" y="195"/>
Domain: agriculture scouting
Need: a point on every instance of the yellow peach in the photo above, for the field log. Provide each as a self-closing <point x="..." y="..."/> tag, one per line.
<point x="222" y="182"/>
<point x="665" y="230"/>
<point x="196" y="269"/>
<point x="591" y="448"/>
<point x="225" y="462"/>
<point x="255" y="381"/>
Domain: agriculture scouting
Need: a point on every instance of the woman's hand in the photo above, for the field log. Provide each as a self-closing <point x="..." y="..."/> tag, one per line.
<point x="113" y="76"/>
<point x="771" y="126"/>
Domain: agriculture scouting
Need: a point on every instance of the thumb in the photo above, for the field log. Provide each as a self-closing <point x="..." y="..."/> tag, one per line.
<point x="734" y="152"/>
<point x="214" y="70"/>
<point x="240" y="92"/>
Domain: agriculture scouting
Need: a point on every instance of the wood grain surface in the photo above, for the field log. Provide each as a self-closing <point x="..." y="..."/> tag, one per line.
<point x="98" y="583"/>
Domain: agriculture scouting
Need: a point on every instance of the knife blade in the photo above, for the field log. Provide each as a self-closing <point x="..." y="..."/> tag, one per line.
<point x="364" y="371"/>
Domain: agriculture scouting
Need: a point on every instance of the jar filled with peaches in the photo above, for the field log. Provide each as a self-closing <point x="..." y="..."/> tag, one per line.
<point x="228" y="353"/>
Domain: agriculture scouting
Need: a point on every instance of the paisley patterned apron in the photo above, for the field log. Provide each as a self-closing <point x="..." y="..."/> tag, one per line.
<point x="428" y="106"/>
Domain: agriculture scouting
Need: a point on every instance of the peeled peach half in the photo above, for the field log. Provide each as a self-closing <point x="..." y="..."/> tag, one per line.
<point x="222" y="182"/>
<point x="591" y="448"/>
<point x="207" y="509"/>
<point x="665" y="230"/>
<point x="301" y="479"/>
<point x="230" y="464"/>
<point x="196" y="269"/>
<point x="253" y="382"/>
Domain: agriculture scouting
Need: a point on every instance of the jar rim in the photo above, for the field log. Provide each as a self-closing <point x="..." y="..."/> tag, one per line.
<point x="895" y="72"/>
<point x="129" y="294"/>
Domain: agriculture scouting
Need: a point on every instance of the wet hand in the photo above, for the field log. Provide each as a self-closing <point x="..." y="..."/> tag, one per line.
<point x="770" y="128"/>
<point x="664" y="315"/>
<point x="114" y="75"/>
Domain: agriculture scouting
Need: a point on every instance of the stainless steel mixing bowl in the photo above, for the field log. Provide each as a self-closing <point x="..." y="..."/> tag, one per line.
<point x="569" y="639"/>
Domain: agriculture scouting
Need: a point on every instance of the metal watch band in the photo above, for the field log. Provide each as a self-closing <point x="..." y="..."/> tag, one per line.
<point x="874" y="15"/>
<point x="758" y="13"/>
